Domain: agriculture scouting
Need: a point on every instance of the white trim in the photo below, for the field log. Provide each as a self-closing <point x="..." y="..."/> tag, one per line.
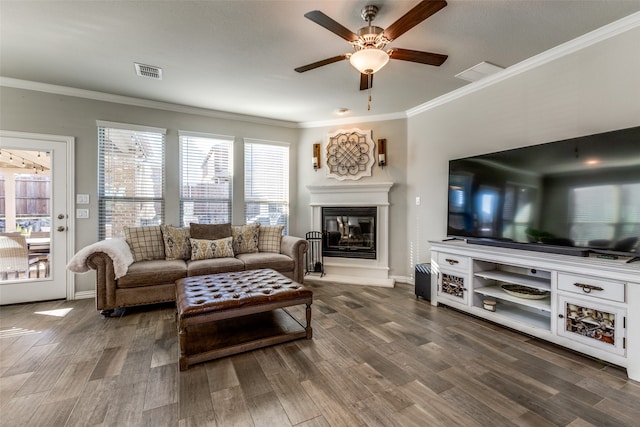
<point x="374" y="272"/>
<point x="188" y="133"/>
<point x="85" y="295"/>
<point x="70" y="185"/>
<point x="266" y="142"/>
<point x="129" y="126"/>
<point x="350" y="120"/>
<point x="71" y="222"/>
<point x="611" y="30"/>
<point x="138" y="102"/>
<point x="403" y="279"/>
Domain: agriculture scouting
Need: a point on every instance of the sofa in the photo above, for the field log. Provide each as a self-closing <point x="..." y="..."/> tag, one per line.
<point x="142" y="267"/>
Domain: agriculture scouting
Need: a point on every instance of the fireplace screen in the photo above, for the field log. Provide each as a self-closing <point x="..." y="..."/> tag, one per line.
<point x="349" y="232"/>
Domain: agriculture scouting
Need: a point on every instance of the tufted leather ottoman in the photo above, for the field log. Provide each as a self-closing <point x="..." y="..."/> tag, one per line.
<point x="228" y="313"/>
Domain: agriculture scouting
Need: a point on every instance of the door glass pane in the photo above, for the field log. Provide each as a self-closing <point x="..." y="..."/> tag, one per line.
<point x="25" y="214"/>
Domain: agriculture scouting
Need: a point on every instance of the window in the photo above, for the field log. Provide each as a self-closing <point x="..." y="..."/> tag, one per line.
<point x="487" y="202"/>
<point x="517" y="213"/>
<point x="205" y="178"/>
<point x="266" y="183"/>
<point x="605" y="212"/>
<point x="130" y="177"/>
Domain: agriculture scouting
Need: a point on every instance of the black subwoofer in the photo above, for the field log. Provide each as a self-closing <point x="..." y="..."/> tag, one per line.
<point x="423" y="281"/>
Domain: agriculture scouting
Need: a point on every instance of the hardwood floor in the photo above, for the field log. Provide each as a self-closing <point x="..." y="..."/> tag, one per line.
<point x="379" y="357"/>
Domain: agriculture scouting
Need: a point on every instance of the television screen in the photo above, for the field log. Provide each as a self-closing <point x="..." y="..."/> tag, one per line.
<point x="577" y="193"/>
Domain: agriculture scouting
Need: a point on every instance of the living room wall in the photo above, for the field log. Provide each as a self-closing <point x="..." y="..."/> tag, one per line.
<point x="46" y="113"/>
<point x="395" y="132"/>
<point x="592" y="90"/>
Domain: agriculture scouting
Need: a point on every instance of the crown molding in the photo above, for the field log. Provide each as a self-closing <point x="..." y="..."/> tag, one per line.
<point x="138" y="102"/>
<point x="603" y="33"/>
<point x="352" y="120"/>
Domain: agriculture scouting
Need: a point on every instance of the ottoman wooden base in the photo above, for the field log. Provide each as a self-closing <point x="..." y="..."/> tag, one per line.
<point x="224" y="314"/>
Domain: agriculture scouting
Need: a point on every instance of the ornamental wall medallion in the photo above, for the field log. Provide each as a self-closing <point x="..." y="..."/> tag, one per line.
<point x="350" y="154"/>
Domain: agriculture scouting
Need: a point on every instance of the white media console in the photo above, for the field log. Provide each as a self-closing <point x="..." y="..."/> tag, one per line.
<point x="588" y="304"/>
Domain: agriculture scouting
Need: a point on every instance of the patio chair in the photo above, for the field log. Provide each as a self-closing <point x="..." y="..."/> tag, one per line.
<point x="14" y="256"/>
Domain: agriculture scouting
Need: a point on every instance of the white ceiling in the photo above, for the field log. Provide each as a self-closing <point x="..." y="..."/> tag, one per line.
<point x="239" y="56"/>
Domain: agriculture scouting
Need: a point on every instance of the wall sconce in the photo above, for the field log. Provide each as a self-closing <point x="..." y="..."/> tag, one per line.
<point x="382" y="153"/>
<point x="316" y="157"/>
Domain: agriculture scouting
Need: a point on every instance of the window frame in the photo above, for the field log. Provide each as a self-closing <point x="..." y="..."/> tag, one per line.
<point x="285" y="203"/>
<point x="104" y="199"/>
<point x="182" y="200"/>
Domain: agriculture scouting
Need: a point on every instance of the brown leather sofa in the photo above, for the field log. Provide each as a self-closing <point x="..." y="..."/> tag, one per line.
<point x="151" y="282"/>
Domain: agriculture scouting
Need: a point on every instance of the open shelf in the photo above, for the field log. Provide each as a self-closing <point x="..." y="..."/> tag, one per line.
<point x="516" y="279"/>
<point x="496" y="292"/>
<point x="541" y="320"/>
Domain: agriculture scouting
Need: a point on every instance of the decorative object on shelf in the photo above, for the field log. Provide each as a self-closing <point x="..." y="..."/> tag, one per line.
<point x="316" y="157"/>
<point x="382" y="153"/>
<point x="350" y="154"/>
<point x="489" y="305"/>
<point x="525" y="292"/>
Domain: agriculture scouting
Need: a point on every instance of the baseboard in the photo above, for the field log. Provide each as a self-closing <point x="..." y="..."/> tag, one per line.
<point x="403" y="279"/>
<point x="84" y="295"/>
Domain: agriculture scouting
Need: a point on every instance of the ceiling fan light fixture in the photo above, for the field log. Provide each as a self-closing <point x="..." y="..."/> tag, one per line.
<point x="369" y="61"/>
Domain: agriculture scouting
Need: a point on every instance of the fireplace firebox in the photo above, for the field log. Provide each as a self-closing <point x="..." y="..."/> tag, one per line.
<point x="349" y="232"/>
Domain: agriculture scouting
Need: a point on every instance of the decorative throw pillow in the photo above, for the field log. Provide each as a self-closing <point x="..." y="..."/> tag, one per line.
<point x="209" y="249"/>
<point x="145" y="242"/>
<point x="176" y="242"/>
<point x="245" y="238"/>
<point x="270" y="238"/>
<point x="209" y="231"/>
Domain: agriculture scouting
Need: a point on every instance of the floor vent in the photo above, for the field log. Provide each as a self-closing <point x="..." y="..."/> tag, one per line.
<point x="148" y="71"/>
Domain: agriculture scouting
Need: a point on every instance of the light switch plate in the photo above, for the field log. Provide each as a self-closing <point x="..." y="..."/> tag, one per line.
<point x="82" y="213"/>
<point x="418" y="201"/>
<point x="82" y="199"/>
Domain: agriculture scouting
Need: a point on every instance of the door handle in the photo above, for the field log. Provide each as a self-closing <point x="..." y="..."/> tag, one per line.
<point x="61" y="228"/>
<point x="61" y="216"/>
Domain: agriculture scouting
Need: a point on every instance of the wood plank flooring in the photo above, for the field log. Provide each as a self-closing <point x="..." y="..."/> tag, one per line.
<point x="379" y="357"/>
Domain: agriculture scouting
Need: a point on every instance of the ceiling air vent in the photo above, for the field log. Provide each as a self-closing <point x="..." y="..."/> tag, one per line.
<point x="479" y="71"/>
<point x="149" y="71"/>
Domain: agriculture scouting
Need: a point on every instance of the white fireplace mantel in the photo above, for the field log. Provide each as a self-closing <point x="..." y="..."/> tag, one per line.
<point x="353" y="270"/>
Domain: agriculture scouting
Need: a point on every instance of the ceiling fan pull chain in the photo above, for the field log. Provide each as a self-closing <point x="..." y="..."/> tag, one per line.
<point x="369" y="78"/>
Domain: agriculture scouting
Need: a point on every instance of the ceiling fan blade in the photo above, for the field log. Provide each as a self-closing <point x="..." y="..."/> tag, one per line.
<point x="331" y="25"/>
<point x="422" y="11"/>
<point x="418" y="56"/>
<point x="321" y="63"/>
<point x="366" y="81"/>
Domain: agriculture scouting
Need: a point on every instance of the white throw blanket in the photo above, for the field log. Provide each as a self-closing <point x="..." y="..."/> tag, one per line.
<point x="117" y="248"/>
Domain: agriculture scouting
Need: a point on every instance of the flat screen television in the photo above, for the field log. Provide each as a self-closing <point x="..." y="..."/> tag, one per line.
<point x="576" y="196"/>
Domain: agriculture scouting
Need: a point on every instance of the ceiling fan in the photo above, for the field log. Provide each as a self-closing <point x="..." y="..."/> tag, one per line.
<point x="369" y="55"/>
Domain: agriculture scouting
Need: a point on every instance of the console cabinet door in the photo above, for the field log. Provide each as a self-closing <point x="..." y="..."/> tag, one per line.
<point x="592" y="323"/>
<point x="452" y="285"/>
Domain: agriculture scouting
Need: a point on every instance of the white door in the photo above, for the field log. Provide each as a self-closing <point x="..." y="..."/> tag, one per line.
<point x="40" y="219"/>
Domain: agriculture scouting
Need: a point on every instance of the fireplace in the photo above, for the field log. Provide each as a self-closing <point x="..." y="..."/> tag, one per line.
<point x="371" y="203"/>
<point x="349" y="232"/>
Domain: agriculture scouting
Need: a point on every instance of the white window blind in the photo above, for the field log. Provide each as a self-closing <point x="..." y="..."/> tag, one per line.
<point x="630" y="212"/>
<point x="266" y="183"/>
<point x="131" y="177"/>
<point x="595" y="213"/>
<point x="205" y="178"/>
